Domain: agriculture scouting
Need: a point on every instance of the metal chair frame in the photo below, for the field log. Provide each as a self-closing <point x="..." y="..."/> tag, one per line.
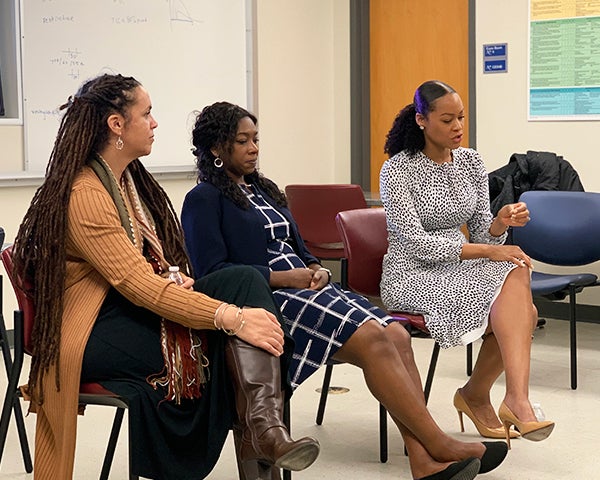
<point x="90" y="393"/>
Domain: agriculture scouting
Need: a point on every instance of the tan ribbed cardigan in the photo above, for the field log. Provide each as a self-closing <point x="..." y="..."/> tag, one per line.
<point x="99" y="254"/>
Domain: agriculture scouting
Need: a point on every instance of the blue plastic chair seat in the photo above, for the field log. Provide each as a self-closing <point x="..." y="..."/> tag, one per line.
<point x="548" y="283"/>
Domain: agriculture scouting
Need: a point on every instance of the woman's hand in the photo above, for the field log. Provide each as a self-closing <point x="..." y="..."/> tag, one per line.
<point x="260" y="328"/>
<point x="294" y="278"/>
<point x="510" y="253"/>
<point x="514" y="215"/>
<point x="319" y="280"/>
<point x="188" y="282"/>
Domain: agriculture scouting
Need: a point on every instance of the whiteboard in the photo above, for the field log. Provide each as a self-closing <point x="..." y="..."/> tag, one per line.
<point x="186" y="53"/>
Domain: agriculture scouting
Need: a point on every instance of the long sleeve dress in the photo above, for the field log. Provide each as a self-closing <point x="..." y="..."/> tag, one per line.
<point x="426" y="204"/>
<point x="113" y="303"/>
<point x="219" y="234"/>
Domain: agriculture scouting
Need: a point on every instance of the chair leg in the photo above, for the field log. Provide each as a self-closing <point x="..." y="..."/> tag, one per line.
<point x="432" y="364"/>
<point x="324" y="391"/>
<point x="383" y="437"/>
<point x="287" y="420"/>
<point x="26" y="453"/>
<point x="11" y="400"/>
<point x="573" y="335"/>
<point x="112" y="444"/>
<point x="469" y="359"/>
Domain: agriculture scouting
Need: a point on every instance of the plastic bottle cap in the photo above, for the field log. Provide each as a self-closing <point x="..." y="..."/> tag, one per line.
<point x="173" y="268"/>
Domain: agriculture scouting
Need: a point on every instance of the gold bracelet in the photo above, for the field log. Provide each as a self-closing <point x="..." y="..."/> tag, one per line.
<point x="217" y="313"/>
<point x="222" y="314"/>
<point x="235" y="330"/>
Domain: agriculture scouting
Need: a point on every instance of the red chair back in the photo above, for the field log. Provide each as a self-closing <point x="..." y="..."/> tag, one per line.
<point x="365" y="238"/>
<point x="314" y="208"/>
<point x="24" y="300"/>
<point x="364" y="235"/>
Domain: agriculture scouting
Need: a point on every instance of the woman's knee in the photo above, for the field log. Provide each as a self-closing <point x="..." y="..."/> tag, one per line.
<point x="370" y="341"/>
<point x="400" y="336"/>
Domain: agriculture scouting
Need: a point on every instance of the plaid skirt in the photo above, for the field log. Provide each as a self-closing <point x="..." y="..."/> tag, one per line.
<point x="320" y="321"/>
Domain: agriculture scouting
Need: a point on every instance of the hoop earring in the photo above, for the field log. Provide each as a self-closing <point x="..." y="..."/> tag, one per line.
<point x="217" y="162"/>
<point x="119" y="143"/>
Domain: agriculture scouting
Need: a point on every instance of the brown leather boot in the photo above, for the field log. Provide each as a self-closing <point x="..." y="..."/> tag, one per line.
<point x="256" y="377"/>
<point x="252" y="469"/>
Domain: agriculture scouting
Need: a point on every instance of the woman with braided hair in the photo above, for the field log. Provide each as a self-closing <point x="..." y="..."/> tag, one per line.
<point x="94" y="247"/>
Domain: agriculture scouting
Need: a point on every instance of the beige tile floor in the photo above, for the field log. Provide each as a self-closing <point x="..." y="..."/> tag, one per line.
<point x="349" y="434"/>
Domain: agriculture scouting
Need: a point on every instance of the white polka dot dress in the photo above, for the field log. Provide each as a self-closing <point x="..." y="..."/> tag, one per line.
<point x="426" y="204"/>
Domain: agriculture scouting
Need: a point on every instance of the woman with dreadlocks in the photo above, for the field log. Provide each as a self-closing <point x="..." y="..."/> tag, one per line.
<point x="236" y="216"/>
<point x="106" y="311"/>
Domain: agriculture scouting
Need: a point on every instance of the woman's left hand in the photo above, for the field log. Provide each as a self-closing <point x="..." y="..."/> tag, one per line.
<point x="320" y="278"/>
<point x="514" y="215"/>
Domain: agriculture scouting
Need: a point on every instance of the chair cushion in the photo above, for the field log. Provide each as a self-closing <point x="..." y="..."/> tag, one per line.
<point x="549" y="283"/>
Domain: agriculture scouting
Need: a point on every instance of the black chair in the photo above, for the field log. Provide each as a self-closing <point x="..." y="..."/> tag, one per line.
<point x="89" y="393"/>
<point x="8" y="365"/>
<point x="564" y="230"/>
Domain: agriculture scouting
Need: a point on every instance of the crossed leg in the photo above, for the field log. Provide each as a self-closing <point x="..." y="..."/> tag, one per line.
<point x="397" y="386"/>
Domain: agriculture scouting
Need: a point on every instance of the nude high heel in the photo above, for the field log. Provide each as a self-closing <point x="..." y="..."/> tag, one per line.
<point x="462" y="407"/>
<point x="534" y="431"/>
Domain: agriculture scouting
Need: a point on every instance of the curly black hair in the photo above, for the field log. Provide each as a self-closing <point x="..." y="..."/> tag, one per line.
<point x="405" y="133"/>
<point x="216" y="127"/>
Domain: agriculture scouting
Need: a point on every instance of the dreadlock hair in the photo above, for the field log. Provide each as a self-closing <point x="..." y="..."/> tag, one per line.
<point x="216" y="126"/>
<point x="39" y="251"/>
<point x="405" y="133"/>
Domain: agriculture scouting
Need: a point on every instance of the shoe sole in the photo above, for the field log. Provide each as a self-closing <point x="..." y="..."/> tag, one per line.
<point x="299" y="458"/>
<point x="469" y="472"/>
<point x="539" y="435"/>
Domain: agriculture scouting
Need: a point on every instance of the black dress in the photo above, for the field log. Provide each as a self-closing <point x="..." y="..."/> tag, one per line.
<point x="169" y="441"/>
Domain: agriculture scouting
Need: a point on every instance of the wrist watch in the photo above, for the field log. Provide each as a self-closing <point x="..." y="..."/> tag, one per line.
<point x="326" y="270"/>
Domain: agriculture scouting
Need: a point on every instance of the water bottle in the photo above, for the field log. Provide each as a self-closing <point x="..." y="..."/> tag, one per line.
<point x="539" y="413"/>
<point x="175" y="275"/>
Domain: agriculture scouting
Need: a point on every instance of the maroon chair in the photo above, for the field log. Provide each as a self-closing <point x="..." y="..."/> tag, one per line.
<point x="314" y="208"/>
<point x="364" y="236"/>
<point x="89" y="393"/>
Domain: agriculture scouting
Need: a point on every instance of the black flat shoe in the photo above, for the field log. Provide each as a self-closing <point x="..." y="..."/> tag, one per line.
<point x="495" y="453"/>
<point x="463" y="470"/>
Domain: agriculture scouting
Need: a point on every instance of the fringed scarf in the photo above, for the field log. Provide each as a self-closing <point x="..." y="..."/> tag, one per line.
<point x="185" y="363"/>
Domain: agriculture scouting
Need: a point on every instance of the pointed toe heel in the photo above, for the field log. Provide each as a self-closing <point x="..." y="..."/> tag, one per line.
<point x="488" y="432"/>
<point x="534" y="431"/>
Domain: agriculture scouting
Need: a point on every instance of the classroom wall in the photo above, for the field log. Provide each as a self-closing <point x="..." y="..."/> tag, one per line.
<point x="302" y="101"/>
<point x="303" y="105"/>
<point x="502" y="126"/>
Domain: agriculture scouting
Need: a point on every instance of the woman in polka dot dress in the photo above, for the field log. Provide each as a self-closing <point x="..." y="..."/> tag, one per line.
<point x="466" y="289"/>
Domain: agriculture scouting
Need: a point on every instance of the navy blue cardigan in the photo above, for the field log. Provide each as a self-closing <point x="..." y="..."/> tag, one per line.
<point x="219" y="234"/>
